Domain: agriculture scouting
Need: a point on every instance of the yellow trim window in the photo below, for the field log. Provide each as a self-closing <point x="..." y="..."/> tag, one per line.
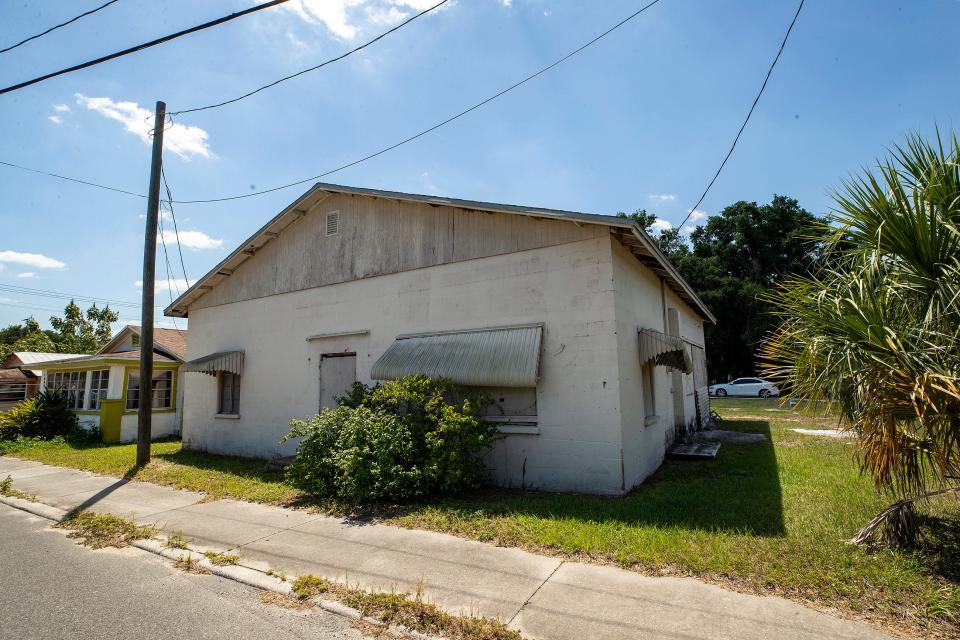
<point x="99" y="381"/>
<point x="73" y="383"/>
<point x="161" y="390"/>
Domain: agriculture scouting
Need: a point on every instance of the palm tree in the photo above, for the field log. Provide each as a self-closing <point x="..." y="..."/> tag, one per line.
<point x="875" y="331"/>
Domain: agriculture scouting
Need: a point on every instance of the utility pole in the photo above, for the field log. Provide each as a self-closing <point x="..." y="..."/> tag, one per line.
<point x="145" y="394"/>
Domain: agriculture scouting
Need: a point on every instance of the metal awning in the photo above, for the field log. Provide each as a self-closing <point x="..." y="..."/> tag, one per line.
<point x="229" y="361"/>
<point x="664" y="350"/>
<point x="493" y="357"/>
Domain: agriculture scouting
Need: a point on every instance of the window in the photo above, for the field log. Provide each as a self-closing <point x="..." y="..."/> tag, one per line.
<point x="135" y="340"/>
<point x="333" y="223"/>
<point x="73" y="383"/>
<point x="510" y="406"/>
<point x="99" y="381"/>
<point x="161" y="390"/>
<point x="649" y="392"/>
<point x="228" y="396"/>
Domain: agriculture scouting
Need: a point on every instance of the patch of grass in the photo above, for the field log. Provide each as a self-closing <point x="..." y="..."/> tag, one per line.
<point x="100" y="530"/>
<point x="283" y="601"/>
<point x="247" y="479"/>
<point x="400" y="609"/>
<point x="176" y="540"/>
<point x="6" y="489"/>
<point x="221" y="559"/>
<point x="188" y="564"/>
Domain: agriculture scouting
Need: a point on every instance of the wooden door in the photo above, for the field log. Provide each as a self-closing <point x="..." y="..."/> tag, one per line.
<point x="338" y="372"/>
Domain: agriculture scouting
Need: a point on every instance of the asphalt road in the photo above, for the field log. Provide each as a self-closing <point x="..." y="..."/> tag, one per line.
<point x="52" y="588"/>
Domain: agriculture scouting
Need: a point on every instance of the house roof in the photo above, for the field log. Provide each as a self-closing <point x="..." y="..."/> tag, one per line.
<point x="133" y="356"/>
<point x="172" y="342"/>
<point x="627" y="232"/>
<point x="12" y="375"/>
<point x="33" y="357"/>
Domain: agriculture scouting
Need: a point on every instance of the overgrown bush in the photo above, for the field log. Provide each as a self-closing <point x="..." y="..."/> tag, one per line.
<point x="44" y="416"/>
<point x="394" y="441"/>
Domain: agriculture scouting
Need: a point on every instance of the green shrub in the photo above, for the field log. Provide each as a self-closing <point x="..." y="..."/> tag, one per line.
<point x="395" y="441"/>
<point x="44" y="416"/>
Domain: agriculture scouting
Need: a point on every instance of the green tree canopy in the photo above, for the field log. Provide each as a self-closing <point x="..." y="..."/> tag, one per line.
<point x="74" y="332"/>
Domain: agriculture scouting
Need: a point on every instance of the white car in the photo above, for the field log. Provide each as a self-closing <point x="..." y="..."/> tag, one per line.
<point x="751" y="387"/>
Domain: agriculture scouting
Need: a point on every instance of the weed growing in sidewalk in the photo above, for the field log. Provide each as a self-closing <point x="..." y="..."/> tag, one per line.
<point x="104" y="530"/>
<point x="284" y="601"/>
<point x="221" y="559"/>
<point x="188" y="564"/>
<point x="400" y="609"/>
<point x="176" y="540"/>
<point x="6" y="489"/>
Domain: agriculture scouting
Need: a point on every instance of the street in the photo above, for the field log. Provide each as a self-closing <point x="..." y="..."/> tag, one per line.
<point x="51" y="588"/>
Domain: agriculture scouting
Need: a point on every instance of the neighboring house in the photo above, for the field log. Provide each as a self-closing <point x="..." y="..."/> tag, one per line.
<point x="18" y="381"/>
<point x="105" y="390"/>
<point x="587" y="339"/>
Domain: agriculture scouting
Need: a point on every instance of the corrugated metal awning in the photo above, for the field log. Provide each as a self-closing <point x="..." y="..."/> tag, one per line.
<point x="664" y="350"/>
<point x="494" y="357"/>
<point x="229" y="361"/>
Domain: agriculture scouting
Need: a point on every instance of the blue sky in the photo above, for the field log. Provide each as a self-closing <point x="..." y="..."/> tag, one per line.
<point x="639" y="120"/>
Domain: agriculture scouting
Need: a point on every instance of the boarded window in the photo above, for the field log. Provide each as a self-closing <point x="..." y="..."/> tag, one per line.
<point x="510" y="405"/>
<point x="333" y="223"/>
<point x="228" y="402"/>
<point x="649" y="391"/>
<point x="161" y="390"/>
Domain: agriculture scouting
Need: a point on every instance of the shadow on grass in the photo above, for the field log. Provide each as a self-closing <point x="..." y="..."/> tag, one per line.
<point x="257" y="469"/>
<point x="738" y="492"/>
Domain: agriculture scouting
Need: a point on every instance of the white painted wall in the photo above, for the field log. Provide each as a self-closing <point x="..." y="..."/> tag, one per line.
<point x="568" y="287"/>
<point x="639" y="303"/>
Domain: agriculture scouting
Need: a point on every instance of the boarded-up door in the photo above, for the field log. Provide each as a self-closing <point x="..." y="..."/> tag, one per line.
<point x="676" y="377"/>
<point x="338" y="372"/>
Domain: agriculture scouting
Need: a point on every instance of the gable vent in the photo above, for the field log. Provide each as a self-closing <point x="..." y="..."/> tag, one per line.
<point x="333" y="223"/>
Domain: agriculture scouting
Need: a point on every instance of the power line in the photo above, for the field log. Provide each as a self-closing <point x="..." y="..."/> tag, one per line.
<point x="438" y="125"/>
<point x="57" y="26"/>
<point x="176" y="231"/>
<point x="171" y="281"/>
<point x="314" y="68"/>
<point x="60" y="295"/>
<point x="385" y="149"/>
<point x="749" y="113"/>
<point x="57" y="175"/>
<point x="145" y="45"/>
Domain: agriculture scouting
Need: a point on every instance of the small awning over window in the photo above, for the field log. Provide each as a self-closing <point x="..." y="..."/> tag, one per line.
<point x="664" y="350"/>
<point x="229" y="361"/>
<point x="495" y="357"/>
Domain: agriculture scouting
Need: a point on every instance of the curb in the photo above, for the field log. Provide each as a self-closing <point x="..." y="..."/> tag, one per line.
<point x="244" y="575"/>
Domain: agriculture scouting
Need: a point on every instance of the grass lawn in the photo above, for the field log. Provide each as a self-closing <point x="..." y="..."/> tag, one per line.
<point x="764" y="518"/>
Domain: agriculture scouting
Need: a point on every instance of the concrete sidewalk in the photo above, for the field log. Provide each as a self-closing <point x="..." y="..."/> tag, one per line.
<point x="543" y="597"/>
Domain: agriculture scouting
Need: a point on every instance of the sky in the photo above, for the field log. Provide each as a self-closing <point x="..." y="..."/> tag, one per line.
<point x="640" y="120"/>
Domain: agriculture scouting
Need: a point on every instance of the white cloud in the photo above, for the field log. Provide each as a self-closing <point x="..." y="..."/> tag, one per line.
<point x="189" y="239"/>
<point x="661" y="225"/>
<point x="177" y="284"/>
<point x="183" y="140"/>
<point x="346" y="18"/>
<point x="547" y="12"/>
<point x="55" y="119"/>
<point x="61" y="108"/>
<point x="507" y="3"/>
<point x="27" y="274"/>
<point x="164" y="216"/>
<point x="698" y="215"/>
<point x="663" y="197"/>
<point x="31" y="260"/>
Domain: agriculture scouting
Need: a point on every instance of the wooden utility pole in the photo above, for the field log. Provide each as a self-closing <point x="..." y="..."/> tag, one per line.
<point x="145" y="394"/>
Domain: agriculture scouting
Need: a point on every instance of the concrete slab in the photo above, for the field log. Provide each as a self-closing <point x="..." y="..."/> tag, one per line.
<point x="52" y="486"/>
<point x="459" y="575"/>
<point x="8" y="464"/>
<point x="208" y="530"/>
<point x="33" y="471"/>
<point x="694" y="451"/>
<point x="586" y="601"/>
<point x="253" y="513"/>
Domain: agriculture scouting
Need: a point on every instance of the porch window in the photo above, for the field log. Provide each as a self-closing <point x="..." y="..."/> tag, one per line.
<point x="228" y="396"/>
<point x="99" y="381"/>
<point x="161" y="390"/>
<point x="72" y="383"/>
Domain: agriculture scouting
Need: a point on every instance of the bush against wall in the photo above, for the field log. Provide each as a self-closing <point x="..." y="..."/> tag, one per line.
<point x="394" y="441"/>
<point x="44" y="416"/>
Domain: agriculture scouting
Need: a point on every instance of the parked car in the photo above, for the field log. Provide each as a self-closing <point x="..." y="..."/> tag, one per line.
<point x="752" y="387"/>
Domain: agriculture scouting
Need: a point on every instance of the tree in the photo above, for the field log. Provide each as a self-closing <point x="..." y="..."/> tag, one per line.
<point x="730" y="262"/>
<point x="875" y="331"/>
<point x="77" y="332"/>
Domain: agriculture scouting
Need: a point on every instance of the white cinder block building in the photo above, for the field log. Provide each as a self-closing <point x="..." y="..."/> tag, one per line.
<point x="589" y="341"/>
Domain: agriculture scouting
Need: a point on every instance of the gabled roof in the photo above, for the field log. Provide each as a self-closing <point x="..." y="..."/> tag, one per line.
<point x="172" y="342"/>
<point x="627" y="232"/>
<point x="132" y="356"/>
<point x="34" y="357"/>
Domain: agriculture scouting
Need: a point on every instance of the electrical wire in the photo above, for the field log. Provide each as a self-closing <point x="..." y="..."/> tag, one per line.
<point x="743" y="126"/>
<point x="171" y="281"/>
<point x="314" y="68"/>
<point x="57" y="175"/>
<point x="57" y="26"/>
<point x="176" y="231"/>
<point x="436" y="126"/>
<point x="60" y="295"/>
<point x="141" y="47"/>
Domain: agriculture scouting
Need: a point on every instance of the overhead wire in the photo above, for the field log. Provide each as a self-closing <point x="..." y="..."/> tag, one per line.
<point x="173" y="218"/>
<point x="313" y="68"/>
<point x="57" y="26"/>
<point x="743" y="126"/>
<point x="60" y="295"/>
<point x="141" y="47"/>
